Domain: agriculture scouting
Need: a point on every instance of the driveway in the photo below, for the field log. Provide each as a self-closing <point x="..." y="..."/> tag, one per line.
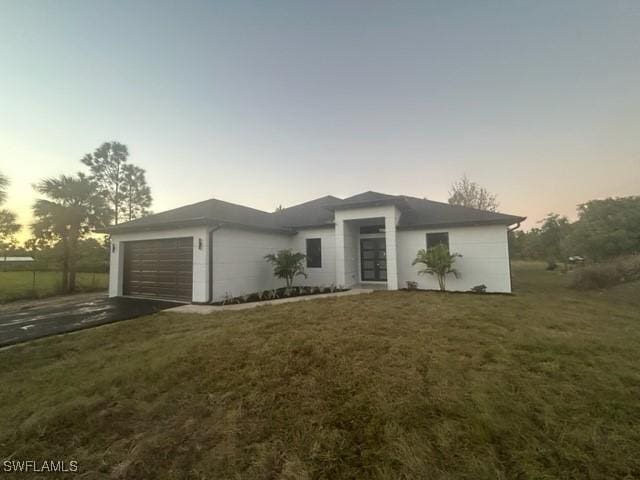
<point x="28" y="320"/>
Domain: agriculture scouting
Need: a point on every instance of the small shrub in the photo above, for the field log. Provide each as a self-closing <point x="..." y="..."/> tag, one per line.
<point x="479" y="288"/>
<point x="606" y="274"/>
<point x="437" y="261"/>
<point x="228" y="299"/>
<point x="551" y="265"/>
<point x="412" y="285"/>
<point x="287" y="265"/>
<point x="254" y="297"/>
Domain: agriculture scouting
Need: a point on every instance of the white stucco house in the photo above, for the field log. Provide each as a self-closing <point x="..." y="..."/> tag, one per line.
<point x="201" y="252"/>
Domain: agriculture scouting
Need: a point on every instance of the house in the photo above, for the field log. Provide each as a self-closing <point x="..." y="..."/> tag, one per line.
<point x="202" y="252"/>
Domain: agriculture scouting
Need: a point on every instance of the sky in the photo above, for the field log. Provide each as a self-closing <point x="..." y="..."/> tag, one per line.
<point x="276" y="103"/>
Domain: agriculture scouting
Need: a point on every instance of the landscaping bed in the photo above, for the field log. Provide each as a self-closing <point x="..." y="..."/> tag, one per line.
<point x="276" y="293"/>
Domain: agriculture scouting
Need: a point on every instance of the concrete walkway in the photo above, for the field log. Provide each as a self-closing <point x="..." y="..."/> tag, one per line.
<point x="204" y="309"/>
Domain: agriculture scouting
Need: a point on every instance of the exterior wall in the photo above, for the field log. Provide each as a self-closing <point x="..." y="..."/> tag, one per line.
<point x="200" y="258"/>
<point x="390" y="223"/>
<point x="485" y="258"/>
<point x="351" y="255"/>
<point x="239" y="266"/>
<point x="325" y="275"/>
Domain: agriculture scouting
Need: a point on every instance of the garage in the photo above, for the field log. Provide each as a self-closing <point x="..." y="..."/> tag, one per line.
<point x="159" y="269"/>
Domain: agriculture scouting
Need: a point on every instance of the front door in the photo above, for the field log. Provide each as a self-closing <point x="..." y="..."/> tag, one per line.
<point x="373" y="259"/>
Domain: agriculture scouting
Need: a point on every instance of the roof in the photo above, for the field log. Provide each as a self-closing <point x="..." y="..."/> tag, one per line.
<point x="369" y="199"/>
<point x="209" y="212"/>
<point x="420" y="212"/>
<point x="16" y="259"/>
<point x="416" y="213"/>
<point x="313" y="213"/>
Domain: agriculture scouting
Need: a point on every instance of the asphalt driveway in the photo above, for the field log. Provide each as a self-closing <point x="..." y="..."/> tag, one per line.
<point x="28" y="320"/>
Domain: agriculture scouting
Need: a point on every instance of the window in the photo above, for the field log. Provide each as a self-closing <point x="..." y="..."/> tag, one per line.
<point x="372" y="229"/>
<point x="440" y="238"/>
<point x="314" y="253"/>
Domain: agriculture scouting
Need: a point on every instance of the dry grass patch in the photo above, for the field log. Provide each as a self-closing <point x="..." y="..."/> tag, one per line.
<point x="543" y="384"/>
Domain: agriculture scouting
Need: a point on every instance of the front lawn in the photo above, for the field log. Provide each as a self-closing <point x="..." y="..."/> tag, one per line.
<point x="20" y="285"/>
<point x="542" y="384"/>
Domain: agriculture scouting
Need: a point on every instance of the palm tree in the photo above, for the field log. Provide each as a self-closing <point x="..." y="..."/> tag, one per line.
<point x="438" y="262"/>
<point x="4" y="183"/>
<point x="72" y="209"/>
<point x="8" y="223"/>
<point x="8" y="229"/>
<point x="287" y="265"/>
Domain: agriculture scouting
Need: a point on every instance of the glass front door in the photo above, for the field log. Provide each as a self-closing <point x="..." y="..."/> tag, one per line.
<point x="373" y="259"/>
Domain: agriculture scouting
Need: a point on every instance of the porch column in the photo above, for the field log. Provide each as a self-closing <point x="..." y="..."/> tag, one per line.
<point x="116" y="267"/>
<point x="392" y="256"/>
<point x="340" y="270"/>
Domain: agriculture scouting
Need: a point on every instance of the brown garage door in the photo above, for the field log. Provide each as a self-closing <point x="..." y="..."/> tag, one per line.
<point x="159" y="268"/>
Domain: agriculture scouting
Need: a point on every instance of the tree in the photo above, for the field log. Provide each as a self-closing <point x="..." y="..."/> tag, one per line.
<point x="554" y="238"/>
<point x="287" y="265"/>
<point x="438" y="262"/>
<point x="469" y="194"/>
<point x="4" y="183"/>
<point x="135" y="192"/>
<point x="8" y="222"/>
<point x="93" y="255"/>
<point x="526" y="244"/>
<point x="8" y="229"/>
<point x="73" y="207"/>
<point x="106" y="165"/>
<point x="607" y="228"/>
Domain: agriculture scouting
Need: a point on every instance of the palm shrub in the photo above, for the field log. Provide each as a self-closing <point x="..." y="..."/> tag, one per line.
<point x="437" y="262"/>
<point x="287" y="265"/>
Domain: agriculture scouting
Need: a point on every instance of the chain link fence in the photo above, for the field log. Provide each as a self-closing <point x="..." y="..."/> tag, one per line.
<point x="36" y="280"/>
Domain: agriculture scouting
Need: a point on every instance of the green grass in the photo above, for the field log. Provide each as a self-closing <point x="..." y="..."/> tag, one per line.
<point x="19" y="285"/>
<point x="544" y="384"/>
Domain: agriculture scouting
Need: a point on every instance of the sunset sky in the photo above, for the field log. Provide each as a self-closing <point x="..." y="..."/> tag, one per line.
<point x="267" y="103"/>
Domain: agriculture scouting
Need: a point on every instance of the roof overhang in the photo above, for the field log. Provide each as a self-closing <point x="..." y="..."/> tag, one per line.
<point x="476" y="223"/>
<point x="189" y="223"/>
<point x="125" y="228"/>
<point x="398" y="202"/>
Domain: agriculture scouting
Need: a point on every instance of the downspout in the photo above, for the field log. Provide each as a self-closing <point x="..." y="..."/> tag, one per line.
<point x="509" y="230"/>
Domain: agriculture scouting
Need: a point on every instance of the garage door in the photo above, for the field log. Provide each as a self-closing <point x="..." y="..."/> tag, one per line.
<point x="159" y="268"/>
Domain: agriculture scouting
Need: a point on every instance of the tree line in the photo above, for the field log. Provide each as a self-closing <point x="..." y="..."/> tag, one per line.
<point x="70" y="207"/>
<point x="604" y="229"/>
